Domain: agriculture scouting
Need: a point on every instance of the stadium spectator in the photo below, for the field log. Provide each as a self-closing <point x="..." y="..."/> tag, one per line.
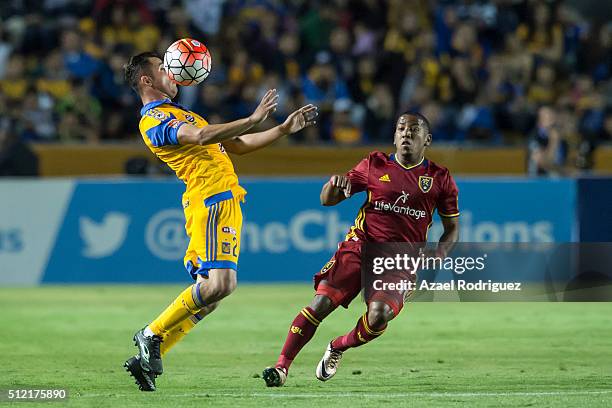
<point x="81" y="102"/>
<point x="5" y="50"/>
<point x="606" y="134"/>
<point x="14" y="84"/>
<point x="37" y="117"/>
<point x="79" y="63"/>
<point x="547" y="147"/>
<point x="322" y="86"/>
<point x="343" y="127"/>
<point x="16" y="157"/>
<point x="482" y="69"/>
<point x="380" y="111"/>
<point x="74" y="127"/>
<point x="54" y="78"/>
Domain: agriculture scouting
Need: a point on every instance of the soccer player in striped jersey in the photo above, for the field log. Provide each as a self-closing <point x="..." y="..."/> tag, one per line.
<point x="198" y="153"/>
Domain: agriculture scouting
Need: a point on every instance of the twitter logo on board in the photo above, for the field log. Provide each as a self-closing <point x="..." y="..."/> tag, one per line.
<point x="103" y="238"/>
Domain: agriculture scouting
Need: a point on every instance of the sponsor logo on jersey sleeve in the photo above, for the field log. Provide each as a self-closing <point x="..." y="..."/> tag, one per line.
<point x="157" y="114"/>
<point x="174" y="123"/>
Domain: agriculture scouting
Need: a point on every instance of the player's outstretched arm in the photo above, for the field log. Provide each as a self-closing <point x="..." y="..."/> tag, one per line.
<point x="189" y="134"/>
<point x="298" y="120"/>
<point x="335" y="190"/>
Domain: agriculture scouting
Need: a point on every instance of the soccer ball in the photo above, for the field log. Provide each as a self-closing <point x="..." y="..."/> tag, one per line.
<point x="187" y="62"/>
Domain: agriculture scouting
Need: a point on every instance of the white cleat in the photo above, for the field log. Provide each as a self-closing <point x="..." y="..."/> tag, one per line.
<point x="328" y="365"/>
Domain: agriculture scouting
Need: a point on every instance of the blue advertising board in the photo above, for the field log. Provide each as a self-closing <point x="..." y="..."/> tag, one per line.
<point x="133" y="231"/>
<point x="595" y="209"/>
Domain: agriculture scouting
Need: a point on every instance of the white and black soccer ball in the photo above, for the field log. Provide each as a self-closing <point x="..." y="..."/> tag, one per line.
<point x="187" y="62"/>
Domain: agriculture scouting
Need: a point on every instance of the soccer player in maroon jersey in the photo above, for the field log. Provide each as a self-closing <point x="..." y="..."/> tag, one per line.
<point x="403" y="190"/>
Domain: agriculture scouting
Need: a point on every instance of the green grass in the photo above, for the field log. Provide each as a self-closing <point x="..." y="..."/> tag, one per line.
<point x="433" y="354"/>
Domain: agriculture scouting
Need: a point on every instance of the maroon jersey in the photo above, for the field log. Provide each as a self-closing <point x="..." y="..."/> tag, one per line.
<point x="401" y="200"/>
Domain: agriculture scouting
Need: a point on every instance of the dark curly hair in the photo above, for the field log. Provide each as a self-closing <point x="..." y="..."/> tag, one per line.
<point x="420" y="116"/>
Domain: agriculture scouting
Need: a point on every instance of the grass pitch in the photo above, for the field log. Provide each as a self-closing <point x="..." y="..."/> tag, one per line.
<point x="433" y="354"/>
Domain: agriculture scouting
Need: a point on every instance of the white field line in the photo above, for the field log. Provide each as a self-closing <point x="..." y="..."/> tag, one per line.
<point x="273" y="394"/>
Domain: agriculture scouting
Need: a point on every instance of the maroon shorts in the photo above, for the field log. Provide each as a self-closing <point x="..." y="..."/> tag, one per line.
<point x="340" y="279"/>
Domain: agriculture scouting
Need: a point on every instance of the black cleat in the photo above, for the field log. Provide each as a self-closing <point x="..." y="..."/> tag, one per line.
<point x="149" y="353"/>
<point x="145" y="381"/>
<point x="274" y="376"/>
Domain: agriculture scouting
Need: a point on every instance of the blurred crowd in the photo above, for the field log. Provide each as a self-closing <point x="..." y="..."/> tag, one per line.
<point x="532" y="72"/>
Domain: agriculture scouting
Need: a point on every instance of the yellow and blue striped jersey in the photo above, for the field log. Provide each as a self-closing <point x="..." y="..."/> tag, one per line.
<point x="207" y="169"/>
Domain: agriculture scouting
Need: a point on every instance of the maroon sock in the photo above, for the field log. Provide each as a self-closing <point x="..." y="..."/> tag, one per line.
<point x="361" y="334"/>
<point x="301" y="331"/>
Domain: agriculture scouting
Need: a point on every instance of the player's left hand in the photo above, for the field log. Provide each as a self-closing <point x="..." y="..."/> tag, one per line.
<point x="301" y="118"/>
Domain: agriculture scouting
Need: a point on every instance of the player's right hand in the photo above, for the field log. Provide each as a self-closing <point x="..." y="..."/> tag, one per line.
<point x="267" y="105"/>
<point x="341" y="183"/>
